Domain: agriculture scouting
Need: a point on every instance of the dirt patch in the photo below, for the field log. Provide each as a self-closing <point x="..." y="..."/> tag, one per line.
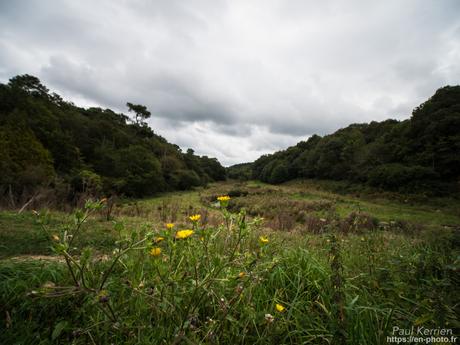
<point x="52" y="258"/>
<point x="36" y="257"/>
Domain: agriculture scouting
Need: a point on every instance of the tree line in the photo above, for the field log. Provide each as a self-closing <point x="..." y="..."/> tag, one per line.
<point x="47" y="142"/>
<point x="415" y="155"/>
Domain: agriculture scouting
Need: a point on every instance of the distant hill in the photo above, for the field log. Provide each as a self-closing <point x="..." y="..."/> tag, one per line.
<point x="48" y="143"/>
<point x="415" y="155"/>
<point x="241" y="171"/>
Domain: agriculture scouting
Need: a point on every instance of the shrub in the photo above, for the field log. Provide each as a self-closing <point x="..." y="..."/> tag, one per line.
<point x="279" y="174"/>
<point x="185" y="179"/>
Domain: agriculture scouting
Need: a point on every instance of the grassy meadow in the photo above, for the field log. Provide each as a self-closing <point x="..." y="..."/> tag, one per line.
<point x="299" y="263"/>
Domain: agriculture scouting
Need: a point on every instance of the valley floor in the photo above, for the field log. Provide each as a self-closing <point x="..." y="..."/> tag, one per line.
<point x="288" y="264"/>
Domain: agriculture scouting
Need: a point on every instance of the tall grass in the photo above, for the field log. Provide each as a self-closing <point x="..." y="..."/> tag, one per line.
<point x="233" y="283"/>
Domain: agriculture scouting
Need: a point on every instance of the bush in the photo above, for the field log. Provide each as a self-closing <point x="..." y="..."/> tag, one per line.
<point x="279" y="174"/>
<point x="185" y="179"/>
<point x="87" y="181"/>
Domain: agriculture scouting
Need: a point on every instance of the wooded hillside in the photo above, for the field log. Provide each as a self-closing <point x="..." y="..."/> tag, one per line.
<point x="418" y="154"/>
<point x="47" y="143"/>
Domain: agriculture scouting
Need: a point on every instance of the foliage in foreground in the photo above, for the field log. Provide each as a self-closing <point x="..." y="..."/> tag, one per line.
<point x="229" y="284"/>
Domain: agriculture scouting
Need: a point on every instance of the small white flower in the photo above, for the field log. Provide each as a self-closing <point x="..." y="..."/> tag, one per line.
<point x="269" y="318"/>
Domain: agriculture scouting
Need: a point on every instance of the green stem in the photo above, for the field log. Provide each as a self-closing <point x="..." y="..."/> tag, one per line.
<point x="80" y="223"/>
<point x="107" y="273"/>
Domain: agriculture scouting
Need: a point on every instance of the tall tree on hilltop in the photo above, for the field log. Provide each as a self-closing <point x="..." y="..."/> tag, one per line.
<point x="140" y="110"/>
<point x="30" y="84"/>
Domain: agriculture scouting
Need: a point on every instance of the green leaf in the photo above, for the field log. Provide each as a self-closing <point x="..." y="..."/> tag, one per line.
<point x="422" y="319"/>
<point x="58" y="329"/>
<point x="352" y="303"/>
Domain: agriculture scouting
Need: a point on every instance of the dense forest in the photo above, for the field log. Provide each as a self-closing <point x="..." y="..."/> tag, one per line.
<point x="421" y="154"/>
<point x="48" y="144"/>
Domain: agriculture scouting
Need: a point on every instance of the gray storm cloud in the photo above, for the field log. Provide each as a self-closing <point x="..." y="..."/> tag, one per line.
<point x="236" y="79"/>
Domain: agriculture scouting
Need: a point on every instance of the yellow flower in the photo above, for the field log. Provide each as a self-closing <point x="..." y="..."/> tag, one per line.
<point x="195" y="218"/>
<point x="223" y="200"/>
<point x="184" y="234"/>
<point x="169" y="226"/>
<point x="280" y="308"/>
<point x="155" y="251"/>
<point x="241" y="275"/>
<point x="159" y="239"/>
<point x="56" y="237"/>
<point x="263" y="239"/>
<point x="103" y="296"/>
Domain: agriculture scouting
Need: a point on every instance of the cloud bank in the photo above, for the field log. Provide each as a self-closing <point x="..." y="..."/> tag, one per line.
<point x="237" y="79"/>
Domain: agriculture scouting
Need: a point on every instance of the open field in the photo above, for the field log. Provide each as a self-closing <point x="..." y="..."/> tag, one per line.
<point x="287" y="264"/>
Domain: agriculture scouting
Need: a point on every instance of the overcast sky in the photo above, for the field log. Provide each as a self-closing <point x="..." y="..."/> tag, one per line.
<point x="237" y="79"/>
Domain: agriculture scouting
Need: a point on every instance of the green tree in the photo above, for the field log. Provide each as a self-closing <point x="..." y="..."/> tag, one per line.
<point x="28" y="84"/>
<point x="140" y="111"/>
<point x="24" y="162"/>
<point x="185" y="179"/>
<point x="279" y="173"/>
<point x="138" y="172"/>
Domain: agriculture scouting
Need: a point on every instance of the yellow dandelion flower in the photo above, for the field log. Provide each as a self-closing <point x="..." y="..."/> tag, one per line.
<point x="280" y="308"/>
<point x="264" y="239"/>
<point x="155" y="251"/>
<point x="169" y="226"/>
<point x="241" y="275"/>
<point x="159" y="239"/>
<point x="195" y="218"/>
<point x="184" y="234"/>
<point x="223" y="200"/>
